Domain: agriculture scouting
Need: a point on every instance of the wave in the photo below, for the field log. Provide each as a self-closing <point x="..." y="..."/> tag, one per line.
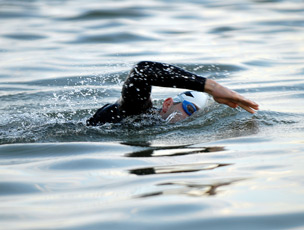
<point x="106" y="14"/>
<point x="68" y="125"/>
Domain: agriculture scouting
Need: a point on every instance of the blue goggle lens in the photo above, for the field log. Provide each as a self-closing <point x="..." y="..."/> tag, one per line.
<point x="189" y="107"/>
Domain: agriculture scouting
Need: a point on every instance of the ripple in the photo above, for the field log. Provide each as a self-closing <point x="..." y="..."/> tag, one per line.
<point x="287" y="22"/>
<point x="262" y="63"/>
<point x="223" y="29"/>
<point x="125" y="37"/>
<point x="107" y="14"/>
<point x="92" y="164"/>
<point x="24" y="36"/>
<point x="14" y="15"/>
<point x="17" y="188"/>
<point x="62" y="149"/>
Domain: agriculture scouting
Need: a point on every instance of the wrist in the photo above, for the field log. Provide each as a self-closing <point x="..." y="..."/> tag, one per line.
<point x="210" y="86"/>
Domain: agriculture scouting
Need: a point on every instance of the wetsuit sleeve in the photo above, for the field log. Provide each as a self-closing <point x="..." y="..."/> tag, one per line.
<point x="136" y="91"/>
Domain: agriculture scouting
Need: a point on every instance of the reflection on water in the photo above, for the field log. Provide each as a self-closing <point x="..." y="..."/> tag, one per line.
<point x="173" y="151"/>
<point x="183" y="168"/>
<point x="190" y="189"/>
<point x="222" y="169"/>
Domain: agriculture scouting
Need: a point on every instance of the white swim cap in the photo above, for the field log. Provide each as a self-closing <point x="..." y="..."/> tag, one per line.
<point x="198" y="98"/>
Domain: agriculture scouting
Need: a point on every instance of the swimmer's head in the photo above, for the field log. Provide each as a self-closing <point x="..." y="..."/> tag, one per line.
<point x="183" y="105"/>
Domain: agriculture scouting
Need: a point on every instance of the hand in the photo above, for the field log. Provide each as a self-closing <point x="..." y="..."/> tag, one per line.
<point x="228" y="97"/>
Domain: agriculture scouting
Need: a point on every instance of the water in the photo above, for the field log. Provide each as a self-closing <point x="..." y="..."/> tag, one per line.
<point x="226" y="169"/>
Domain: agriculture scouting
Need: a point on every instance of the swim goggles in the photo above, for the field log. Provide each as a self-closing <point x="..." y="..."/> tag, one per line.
<point x="188" y="106"/>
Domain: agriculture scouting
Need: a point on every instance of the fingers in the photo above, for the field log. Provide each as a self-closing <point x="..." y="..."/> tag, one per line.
<point x="249" y="105"/>
<point x="240" y="101"/>
<point x="247" y="108"/>
<point x="246" y="104"/>
<point x="232" y="105"/>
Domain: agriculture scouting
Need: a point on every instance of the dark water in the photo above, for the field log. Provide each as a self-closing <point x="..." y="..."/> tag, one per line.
<point x="224" y="169"/>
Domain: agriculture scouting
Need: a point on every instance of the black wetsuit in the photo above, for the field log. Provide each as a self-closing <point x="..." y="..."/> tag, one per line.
<point x="136" y="91"/>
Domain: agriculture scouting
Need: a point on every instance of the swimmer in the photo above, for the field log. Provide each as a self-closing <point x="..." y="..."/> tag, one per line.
<point x="136" y="95"/>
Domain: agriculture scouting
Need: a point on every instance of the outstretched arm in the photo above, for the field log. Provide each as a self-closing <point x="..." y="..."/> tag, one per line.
<point x="136" y="90"/>
<point x="228" y="97"/>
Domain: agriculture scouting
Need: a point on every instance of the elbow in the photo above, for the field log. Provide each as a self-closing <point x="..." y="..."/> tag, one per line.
<point x="143" y="65"/>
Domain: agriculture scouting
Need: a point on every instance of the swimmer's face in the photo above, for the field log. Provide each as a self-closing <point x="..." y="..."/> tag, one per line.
<point x="173" y="112"/>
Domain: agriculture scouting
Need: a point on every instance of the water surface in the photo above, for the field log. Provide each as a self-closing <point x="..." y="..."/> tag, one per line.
<point x="223" y="169"/>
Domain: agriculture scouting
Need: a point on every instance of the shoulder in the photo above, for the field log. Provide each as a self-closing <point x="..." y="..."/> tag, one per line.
<point x="109" y="113"/>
